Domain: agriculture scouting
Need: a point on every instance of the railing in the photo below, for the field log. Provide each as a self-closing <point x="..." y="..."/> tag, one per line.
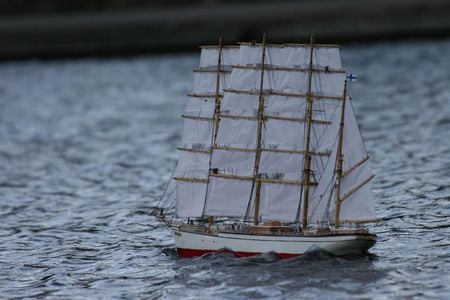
<point x="270" y="231"/>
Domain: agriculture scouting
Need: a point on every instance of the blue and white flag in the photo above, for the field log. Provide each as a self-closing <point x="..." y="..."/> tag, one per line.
<point x="351" y="77"/>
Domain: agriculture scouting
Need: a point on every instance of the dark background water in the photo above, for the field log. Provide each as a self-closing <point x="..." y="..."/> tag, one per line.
<point x="86" y="147"/>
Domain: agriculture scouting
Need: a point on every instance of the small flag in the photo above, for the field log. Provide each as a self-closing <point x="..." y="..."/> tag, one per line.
<point x="352" y="77"/>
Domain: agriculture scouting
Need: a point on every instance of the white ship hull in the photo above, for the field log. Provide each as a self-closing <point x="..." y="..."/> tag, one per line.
<point x="192" y="244"/>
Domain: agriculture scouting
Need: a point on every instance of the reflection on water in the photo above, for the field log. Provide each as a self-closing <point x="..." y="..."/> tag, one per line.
<point x="316" y="273"/>
<point x="86" y="147"/>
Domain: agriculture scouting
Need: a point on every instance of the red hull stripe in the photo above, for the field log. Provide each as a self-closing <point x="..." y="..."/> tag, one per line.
<point x="190" y="253"/>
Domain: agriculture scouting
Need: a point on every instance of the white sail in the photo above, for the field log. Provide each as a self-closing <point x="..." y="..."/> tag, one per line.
<point x="192" y="171"/>
<point x="209" y="56"/>
<point x="250" y="55"/>
<point x="356" y="194"/>
<point x="230" y="197"/>
<point x="190" y="197"/>
<point x="281" y="162"/>
<point x="197" y="131"/>
<point x="237" y="132"/>
<point x="281" y="202"/>
<point x="200" y="106"/>
<point x="205" y="82"/>
<point x="189" y="160"/>
<point x="234" y="162"/>
<point x="327" y="57"/>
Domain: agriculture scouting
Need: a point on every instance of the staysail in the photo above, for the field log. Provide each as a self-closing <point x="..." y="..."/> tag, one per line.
<point x="356" y="195"/>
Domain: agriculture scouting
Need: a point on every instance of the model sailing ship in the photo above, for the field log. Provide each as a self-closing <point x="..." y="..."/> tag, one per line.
<point x="271" y="159"/>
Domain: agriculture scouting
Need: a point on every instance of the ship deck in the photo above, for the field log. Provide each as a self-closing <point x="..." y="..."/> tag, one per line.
<point x="246" y="229"/>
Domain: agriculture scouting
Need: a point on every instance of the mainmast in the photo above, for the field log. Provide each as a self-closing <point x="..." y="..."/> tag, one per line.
<point x="340" y="159"/>
<point x="307" y="166"/>
<point x="256" y="175"/>
<point x="216" y="112"/>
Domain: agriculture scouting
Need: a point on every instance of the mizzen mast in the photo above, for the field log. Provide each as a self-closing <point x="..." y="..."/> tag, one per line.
<point x="256" y="175"/>
<point x="340" y="159"/>
<point x="307" y="165"/>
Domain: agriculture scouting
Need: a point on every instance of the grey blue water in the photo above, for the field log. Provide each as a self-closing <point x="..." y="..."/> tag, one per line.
<point x="87" y="146"/>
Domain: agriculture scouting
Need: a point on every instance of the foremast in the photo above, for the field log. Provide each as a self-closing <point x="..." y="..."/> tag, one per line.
<point x="216" y="118"/>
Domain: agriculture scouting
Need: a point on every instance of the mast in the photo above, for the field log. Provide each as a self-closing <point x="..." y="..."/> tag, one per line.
<point x="217" y="97"/>
<point x="259" y="141"/>
<point x="216" y="112"/>
<point x="307" y="166"/>
<point x="340" y="159"/>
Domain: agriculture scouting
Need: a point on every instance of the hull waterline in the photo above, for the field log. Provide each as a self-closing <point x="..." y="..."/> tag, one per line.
<point x="194" y="244"/>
